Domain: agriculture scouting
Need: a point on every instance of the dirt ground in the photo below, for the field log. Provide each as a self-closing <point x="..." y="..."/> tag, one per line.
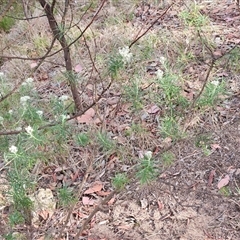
<point x="184" y="202"/>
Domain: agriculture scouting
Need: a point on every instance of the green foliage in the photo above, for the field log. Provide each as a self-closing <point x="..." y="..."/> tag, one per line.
<point x="82" y="139"/>
<point x="105" y="142"/>
<point x="225" y="191"/>
<point x="212" y="93"/>
<point x="134" y="94"/>
<point x="233" y="59"/>
<point x="192" y="17"/>
<point x="170" y="128"/>
<point x="147" y="171"/>
<point x="167" y="158"/>
<point x="66" y="196"/>
<point x="16" y="218"/>
<point x="114" y="65"/>
<point x="171" y="91"/>
<point x="6" y="23"/>
<point x="41" y="43"/>
<point x="119" y="181"/>
<point x="135" y="129"/>
<point x="204" y="142"/>
<point x="9" y="236"/>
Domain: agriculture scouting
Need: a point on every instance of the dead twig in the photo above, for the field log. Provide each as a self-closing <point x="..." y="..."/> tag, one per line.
<point x="96" y="209"/>
<point x="151" y="25"/>
<point x="69" y="45"/>
<point x="89" y="169"/>
<point x="58" y="122"/>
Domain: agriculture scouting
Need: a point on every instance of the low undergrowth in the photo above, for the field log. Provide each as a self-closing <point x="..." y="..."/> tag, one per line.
<point x="157" y="101"/>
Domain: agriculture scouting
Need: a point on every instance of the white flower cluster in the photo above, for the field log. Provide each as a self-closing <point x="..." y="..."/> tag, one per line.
<point x="1" y="74"/>
<point x="159" y="74"/>
<point x="24" y="99"/>
<point x="216" y="82"/>
<point x="63" y="98"/>
<point x="64" y="117"/>
<point x="162" y="60"/>
<point x="13" y="149"/>
<point x="39" y="113"/>
<point x="29" y="130"/>
<point x="126" y="54"/>
<point x="148" y="155"/>
<point x="28" y="81"/>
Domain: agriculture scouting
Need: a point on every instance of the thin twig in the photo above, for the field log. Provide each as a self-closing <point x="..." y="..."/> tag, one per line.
<point x="34" y="70"/>
<point x="96" y="209"/>
<point x="70" y="44"/>
<point x="58" y="122"/>
<point x="3" y="13"/>
<point x="89" y="169"/>
<point x="152" y="24"/>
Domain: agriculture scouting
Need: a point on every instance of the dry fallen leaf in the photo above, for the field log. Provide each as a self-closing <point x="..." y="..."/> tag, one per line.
<point x="215" y="146"/>
<point x="160" y="206"/>
<point x="111" y="201"/>
<point x="102" y="193"/>
<point x="96" y="187"/>
<point x="78" y="68"/>
<point x="153" y="109"/>
<point x="33" y="65"/>
<point x="88" y="201"/>
<point x="223" y="182"/>
<point x="87" y="117"/>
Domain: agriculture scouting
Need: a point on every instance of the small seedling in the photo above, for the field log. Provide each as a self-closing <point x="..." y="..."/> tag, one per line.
<point x="134" y="94"/>
<point x="212" y="93"/>
<point x="193" y="17"/>
<point x="170" y="128"/>
<point x="147" y="171"/>
<point x="225" y="191"/>
<point x="105" y="142"/>
<point x="66" y="196"/>
<point x="82" y="139"/>
<point x="119" y="181"/>
<point x="167" y="158"/>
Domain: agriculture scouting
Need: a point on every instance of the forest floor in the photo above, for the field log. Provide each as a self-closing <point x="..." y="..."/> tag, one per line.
<point x="196" y="195"/>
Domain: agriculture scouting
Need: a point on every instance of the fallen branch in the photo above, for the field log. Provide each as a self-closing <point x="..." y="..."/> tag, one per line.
<point x="96" y="209"/>
<point x="151" y="25"/>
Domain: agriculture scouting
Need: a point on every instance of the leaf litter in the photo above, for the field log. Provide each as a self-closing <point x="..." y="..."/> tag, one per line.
<point x="170" y="207"/>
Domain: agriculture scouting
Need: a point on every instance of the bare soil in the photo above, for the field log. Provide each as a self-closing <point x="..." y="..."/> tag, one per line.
<point x="184" y="202"/>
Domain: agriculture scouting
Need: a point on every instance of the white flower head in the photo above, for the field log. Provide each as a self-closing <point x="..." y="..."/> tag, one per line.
<point x="1" y="74"/>
<point x="216" y="82"/>
<point x="159" y="74"/>
<point x="10" y="111"/>
<point x="28" y="81"/>
<point x="24" y="99"/>
<point x="126" y="54"/>
<point x="148" y="154"/>
<point x="64" y="98"/>
<point x="29" y="130"/>
<point x="162" y="60"/>
<point x="64" y="117"/>
<point x="13" y="149"/>
<point x="39" y="113"/>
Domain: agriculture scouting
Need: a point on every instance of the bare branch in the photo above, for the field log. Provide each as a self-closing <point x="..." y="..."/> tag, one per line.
<point x="69" y="45"/>
<point x="152" y="24"/>
<point x="96" y="209"/>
